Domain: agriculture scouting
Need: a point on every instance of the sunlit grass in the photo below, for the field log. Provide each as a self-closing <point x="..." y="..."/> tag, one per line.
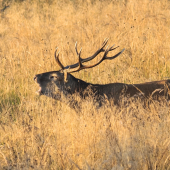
<point x="40" y="133"/>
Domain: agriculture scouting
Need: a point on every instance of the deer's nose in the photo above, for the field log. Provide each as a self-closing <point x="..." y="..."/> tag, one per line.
<point x="35" y="78"/>
<point x="38" y="78"/>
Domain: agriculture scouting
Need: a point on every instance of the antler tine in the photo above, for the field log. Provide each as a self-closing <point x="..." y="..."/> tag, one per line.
<point x="76" y="48"/>
<point x="110" y="58"/>
<point x="79" y="58"/>
<point x="57" y="59"/>
<point x="105" y="42"/>
<point x="79" y="53"/>
<point x="111" y="48"/>
<point x="80" y="62"/>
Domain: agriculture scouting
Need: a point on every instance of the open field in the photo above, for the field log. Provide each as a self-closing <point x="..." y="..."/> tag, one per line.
<point x="40" y="133"/>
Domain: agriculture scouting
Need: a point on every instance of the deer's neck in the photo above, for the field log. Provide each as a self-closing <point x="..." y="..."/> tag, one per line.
<point x="75" y="85"/>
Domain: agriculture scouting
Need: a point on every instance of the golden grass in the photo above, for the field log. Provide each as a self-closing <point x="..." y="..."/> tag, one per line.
<point x="40" y="133"/>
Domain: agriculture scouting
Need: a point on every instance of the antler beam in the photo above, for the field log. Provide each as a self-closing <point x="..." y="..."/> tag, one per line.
<point x="79" y="66"/>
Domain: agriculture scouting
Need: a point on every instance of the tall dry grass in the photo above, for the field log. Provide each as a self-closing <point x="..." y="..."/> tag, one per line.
<point x="40" y="133"/>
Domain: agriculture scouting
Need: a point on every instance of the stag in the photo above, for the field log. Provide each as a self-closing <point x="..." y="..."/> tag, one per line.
<point x="62" y="84"/>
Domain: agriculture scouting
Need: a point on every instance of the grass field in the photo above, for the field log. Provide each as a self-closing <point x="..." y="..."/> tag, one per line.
<point x="40" y="133"/>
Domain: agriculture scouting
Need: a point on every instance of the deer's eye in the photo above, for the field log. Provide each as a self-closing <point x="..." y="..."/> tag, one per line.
<point x="53" y="77"/>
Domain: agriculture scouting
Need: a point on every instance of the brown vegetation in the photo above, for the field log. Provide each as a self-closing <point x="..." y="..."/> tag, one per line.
<point x="40" y="133"/>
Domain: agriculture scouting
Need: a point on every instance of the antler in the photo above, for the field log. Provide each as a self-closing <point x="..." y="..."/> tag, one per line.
<point x="80" y="66"/>
<point x="57" y="59"/>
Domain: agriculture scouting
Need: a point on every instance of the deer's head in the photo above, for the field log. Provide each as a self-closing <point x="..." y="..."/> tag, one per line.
<point x="55" y="83"/>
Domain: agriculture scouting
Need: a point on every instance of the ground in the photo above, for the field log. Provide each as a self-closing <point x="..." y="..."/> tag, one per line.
<point x="41" y="133"/>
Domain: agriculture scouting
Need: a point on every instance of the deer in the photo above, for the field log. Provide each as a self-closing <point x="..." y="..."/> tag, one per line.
<point x="61" y="84"/>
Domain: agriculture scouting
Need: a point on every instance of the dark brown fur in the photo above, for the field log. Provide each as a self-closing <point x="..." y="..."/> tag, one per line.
<point x="53" y="85"/>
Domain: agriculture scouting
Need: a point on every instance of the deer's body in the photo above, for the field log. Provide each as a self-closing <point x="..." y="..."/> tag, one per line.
<point x="59" y="84"/>
<point x="113" y="91"/>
